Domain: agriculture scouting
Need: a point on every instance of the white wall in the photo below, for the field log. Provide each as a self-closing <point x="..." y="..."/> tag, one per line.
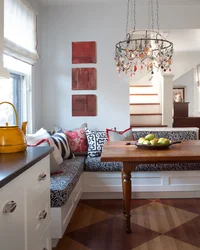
<point x="184" y="61"/>
<point x="104" y="24"/>
<point x="188" y="81"/>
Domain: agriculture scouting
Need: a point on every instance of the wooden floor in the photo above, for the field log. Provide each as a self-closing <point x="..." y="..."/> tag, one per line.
<point x="166" y="224"/>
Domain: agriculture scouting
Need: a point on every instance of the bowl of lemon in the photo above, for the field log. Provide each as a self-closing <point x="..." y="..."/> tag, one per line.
<point x="152" y="142"/>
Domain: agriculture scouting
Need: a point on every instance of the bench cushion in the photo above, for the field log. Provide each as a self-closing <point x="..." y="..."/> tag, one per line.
<point x="169" y="167"/>
<point x="95" y="165"/>
<point x="63" y="184"/>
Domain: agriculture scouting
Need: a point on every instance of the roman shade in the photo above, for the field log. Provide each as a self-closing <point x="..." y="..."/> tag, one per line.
<point x="20" y="36"/>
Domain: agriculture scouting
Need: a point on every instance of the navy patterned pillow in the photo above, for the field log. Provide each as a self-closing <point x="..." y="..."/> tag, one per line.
<point x="61" y="141"/>
<point x="95" y="141"/>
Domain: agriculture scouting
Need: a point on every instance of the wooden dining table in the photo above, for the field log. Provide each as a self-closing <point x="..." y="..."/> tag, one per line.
<point x="130" y="155"/>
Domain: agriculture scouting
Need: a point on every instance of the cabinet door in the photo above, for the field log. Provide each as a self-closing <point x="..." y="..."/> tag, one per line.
<point x="45" y="240"/>
<point x="12" y="218"/>
<point x="38" y="218"/>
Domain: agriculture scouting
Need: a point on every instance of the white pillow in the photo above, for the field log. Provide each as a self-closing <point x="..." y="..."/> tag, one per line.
<point x="126" y="135"/>
<point x="54" y="167"/>
<point x="33" y="139"/>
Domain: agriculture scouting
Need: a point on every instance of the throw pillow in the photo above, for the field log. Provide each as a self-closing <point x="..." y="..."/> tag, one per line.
<point x="58" y="128"/>
<point x="110" y="129"/>
<point x="60" y="140"/>
<point x="77" y="139"/>
<point x="54" y="167"/>
<point x="33" y="139"/>
<point x="95" y="141"/>
<point x="125" y="135"/>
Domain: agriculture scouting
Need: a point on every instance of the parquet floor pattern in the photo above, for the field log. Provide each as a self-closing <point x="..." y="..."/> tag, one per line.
<point x="162" y="224"/>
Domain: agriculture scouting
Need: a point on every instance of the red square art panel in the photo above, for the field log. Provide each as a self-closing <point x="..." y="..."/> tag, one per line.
<point x="83" y="52"/>
<point x="84" y="79"/>
<point x="84" y="105"/>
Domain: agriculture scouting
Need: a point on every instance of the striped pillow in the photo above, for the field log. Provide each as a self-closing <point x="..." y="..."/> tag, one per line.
<point x="61" y="142"/>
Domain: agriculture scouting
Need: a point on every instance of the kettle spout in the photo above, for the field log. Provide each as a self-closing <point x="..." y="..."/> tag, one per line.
<point x="24" y="124"/>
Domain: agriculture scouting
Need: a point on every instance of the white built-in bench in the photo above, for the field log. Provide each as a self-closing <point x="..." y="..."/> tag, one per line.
<point x="145" y="184"/>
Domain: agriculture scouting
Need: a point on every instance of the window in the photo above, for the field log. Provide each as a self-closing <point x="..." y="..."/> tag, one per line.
<point x="16" y="90"/>
<point x="20" y="52"/>
<point x="12" y="91"/>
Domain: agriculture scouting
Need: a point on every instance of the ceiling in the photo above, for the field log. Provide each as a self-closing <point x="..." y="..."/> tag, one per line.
<point x="81" y="2"/>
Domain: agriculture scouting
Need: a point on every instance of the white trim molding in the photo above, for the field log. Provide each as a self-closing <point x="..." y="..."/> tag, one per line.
<point x="158" y="181"/>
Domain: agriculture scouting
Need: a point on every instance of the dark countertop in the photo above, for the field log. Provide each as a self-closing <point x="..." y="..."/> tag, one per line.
<point x="13" y="164"/>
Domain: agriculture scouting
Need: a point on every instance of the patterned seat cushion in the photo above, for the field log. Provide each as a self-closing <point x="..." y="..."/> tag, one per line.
<point x="169" y="167"/>
<point x="63" y="184"/>
<point x="94" y="164"/>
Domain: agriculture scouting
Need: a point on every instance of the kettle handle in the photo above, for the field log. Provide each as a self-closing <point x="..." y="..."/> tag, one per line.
<point x="16" y="115"/>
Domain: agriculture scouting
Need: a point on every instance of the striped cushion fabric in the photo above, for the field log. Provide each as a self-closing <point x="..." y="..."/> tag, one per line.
<point x="62" y="144"/>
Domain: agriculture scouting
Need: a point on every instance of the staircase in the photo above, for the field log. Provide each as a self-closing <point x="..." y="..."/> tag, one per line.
<point x="144" y="107"/>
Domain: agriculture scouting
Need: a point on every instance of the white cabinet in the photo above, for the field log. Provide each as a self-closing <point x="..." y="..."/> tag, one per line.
<point x="12" y="218"/>
<point x="45" y="240"/>
<point x="25" y="210"/>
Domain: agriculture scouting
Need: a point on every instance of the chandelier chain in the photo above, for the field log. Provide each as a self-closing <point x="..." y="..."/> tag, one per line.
<point x="127" y="21"/>
<point x="134" y="14"/>
<point x="152" y="15"/>
<point x="132" y="21"/>
<point x="157" y="15"/>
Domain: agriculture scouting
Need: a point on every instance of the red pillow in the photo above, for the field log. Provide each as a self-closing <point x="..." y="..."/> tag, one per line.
<point x="77" y="140"/>
<point x="107" y="132"/>
<point x="114" y="130"/>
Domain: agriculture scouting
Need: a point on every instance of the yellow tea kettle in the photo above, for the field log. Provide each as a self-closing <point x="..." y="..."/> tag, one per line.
<point x="12" y="138"/>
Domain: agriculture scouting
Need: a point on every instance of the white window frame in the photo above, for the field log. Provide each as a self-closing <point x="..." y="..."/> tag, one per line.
<point x="17" y="67"/>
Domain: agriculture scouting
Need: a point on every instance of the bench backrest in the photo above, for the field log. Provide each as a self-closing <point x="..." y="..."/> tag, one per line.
<point x="171" y="135"/>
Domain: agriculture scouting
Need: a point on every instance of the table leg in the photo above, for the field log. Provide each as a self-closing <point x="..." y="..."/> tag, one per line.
<point x="126" y="183"/>
<point x="122" y="172"/>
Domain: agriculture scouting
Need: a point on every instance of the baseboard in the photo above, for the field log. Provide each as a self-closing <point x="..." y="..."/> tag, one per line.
<point x="142" y="195"/>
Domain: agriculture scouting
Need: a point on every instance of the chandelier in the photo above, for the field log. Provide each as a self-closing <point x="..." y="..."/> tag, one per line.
<point x="143" y="49"/>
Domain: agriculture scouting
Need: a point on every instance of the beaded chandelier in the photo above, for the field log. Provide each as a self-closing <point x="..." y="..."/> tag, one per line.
<point x="143" y="49"/>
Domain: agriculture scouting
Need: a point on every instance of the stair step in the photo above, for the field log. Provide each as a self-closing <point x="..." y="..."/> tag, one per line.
<point x="141" y="114"/>
<point x="140" y="98"/>
<point x="136" y="104"/>
<point x="146" y="119"/>
<point x="140" y="86"/>
<point x="142" y="90"/>
<point x="147" y="126"/>
<point x="145" y="108"/>
<point x="147" y="94"/>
